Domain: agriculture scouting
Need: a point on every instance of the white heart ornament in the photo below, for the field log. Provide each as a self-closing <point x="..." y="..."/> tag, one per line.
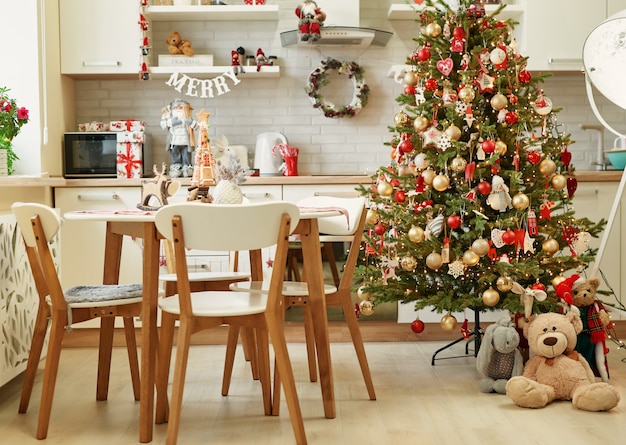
<point x="445" y="66"/>
<point x="496" y="237"/>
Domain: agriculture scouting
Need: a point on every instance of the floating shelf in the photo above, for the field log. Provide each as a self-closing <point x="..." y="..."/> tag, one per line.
<point x="409" y="12"/>
<point x="238" y="13"/>
<point x="267" y="72"/>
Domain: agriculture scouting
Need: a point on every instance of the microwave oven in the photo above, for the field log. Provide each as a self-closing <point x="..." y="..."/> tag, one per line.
<point x="94" y="155"/>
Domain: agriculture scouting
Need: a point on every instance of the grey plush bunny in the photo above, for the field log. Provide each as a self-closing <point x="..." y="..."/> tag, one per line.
<point x="498" y="358"/>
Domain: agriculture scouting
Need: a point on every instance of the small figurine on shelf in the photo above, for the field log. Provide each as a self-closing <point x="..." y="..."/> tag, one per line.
<point x="261" y="60"/>
<point x="311" y="19"/>
<point x="181" y="139"/>
<point x="237" y="60"/>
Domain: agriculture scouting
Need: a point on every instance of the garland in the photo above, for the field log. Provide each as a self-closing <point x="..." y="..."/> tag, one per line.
<point x="319" y="78"/>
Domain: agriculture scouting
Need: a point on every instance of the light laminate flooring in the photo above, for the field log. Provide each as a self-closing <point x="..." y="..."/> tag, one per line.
<point x="417" y="404"/>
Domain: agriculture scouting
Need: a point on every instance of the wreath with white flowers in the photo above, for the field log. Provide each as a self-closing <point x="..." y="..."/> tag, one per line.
<point x="318" y="78"/>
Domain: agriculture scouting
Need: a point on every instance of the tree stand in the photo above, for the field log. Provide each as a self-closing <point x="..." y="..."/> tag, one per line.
<point x="476" y="333"/>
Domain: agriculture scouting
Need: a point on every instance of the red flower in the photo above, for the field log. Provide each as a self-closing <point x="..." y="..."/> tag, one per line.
<point x="22" y="113"/>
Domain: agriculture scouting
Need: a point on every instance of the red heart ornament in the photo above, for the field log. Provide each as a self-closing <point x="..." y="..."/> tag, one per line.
<point x="566" y="157"/>
<point x="445" y="66"/>
<point x="572" y="185"/>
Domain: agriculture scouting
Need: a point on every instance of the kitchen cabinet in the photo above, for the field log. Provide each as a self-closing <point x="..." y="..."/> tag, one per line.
<point x="99" y="37"/>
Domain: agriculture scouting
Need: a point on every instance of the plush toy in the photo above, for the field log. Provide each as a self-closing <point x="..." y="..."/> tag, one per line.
<point x="311" y="19"/>
<point x="591" y="341"/>
<point x="261" y="60"/>
<point x="177" y="45"/>
<point x="498" y="358"/>
<point x="556" y="371"/>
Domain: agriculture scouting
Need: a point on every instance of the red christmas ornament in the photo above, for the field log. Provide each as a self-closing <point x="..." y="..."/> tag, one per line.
<point x="423" y="54"/>
<point x="566" y="157"/>
<point x="395" y="182"/>
<point x="531" y="223"/>
<point x="572" y="185"/>
<point x="458" y="33"/>
<point x="508" y="237"/>
<point x="511" y="117"/>
<point x="465" y="332"/>
<point x="431" y="84"/>
<point x="409" y="90"/>
<point x="513" y="99"/>
<point x="488" y="146"/>
<point x="538" y="286"/>
<point x="524" y="76"/>
<point x="534" y="157"/>
<point x="379" y="229"/>
<point x="454" y="221"/>
<point x="400" y="196"/>
<point x="417" y="326"/>
<point x="406" y="146"/>
<point x="484" y="188"/>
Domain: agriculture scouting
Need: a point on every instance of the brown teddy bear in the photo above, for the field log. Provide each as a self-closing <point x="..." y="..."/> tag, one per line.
<point x="177" y="45"/>
<point x="556" y="371"/>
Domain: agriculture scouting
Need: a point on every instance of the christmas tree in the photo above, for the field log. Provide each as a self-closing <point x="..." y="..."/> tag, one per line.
<point x="476" y="202"/>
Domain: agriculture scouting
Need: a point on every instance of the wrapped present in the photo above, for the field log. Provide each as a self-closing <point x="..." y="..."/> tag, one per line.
<point x="131" y="136"/>
<point x="129" y="160"/>
<point x="127" y="125"/>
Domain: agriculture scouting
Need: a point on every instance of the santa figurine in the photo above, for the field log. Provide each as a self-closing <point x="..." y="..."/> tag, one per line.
<point x="237" y="59"/>
<point x="311" y="19"/>
<point x="261" y="59"/>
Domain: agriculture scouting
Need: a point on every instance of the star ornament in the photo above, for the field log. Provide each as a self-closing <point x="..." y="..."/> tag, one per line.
<point x="485" y="82"/>
<point x="528" y="244"/>
<point x="431" y="136"/>
<point x="456" y="268"/>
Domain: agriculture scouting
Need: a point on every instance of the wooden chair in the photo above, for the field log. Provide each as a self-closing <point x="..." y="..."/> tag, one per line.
<point x="348" y="226"/>
<point x="227" y="228"/>
<point x="60" y="309"/>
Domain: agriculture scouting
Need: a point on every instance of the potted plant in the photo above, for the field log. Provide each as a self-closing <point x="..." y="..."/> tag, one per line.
<point x="12" y="119"/>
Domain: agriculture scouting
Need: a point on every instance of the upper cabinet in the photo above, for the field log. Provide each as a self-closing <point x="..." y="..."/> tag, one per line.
<point x="99" y="37"/>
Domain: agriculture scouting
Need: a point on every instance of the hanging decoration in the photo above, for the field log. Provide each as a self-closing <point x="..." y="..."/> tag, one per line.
<point x="318" y="78"/>
<point x="203" y="88"/>
<point x="144" y="47"/>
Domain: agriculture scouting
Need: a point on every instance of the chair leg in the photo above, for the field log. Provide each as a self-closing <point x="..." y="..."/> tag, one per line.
<point x="107" y="325"/>
<point x="164" y="357"/>
<point x="231" y="348"/>
<point x="50" y="374"/>
<point x="180" y="369"/>
<point x="34" y="356"/>
<point x="309" y="336"/>
<point x="329" y="254"/>
<point x="263" y="360"/>
<point x="276" y="392"/>
<point x="131" y="347"/>
<point x="248" y="342"/>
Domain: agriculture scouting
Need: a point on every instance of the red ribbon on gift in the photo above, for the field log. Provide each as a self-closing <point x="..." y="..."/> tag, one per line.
<point x="129" y="160"/>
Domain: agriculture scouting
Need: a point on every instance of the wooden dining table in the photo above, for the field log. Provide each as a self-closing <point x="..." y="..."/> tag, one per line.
<point x="140" y="224"/>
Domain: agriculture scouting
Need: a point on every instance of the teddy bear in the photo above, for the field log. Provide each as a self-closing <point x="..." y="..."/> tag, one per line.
<point x="177" y="45"/>
<point x="591" y="342"/>
<point x="556" y="371"/>
<point x="311" y="19"/>
<point x="498" y="358"/>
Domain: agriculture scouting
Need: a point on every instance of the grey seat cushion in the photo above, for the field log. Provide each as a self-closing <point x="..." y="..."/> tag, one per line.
<point x="102" y="293"/>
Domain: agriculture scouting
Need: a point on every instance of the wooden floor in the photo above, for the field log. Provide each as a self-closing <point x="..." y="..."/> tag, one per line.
<point x="417" y="403"/>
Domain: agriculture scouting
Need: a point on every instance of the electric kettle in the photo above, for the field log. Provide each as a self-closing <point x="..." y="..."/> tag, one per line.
<point x="264" y="159"/>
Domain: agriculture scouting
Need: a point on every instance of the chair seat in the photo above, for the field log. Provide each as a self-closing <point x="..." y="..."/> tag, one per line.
<point x="219" y="304"/>
<point x="290" y="288"/>
<point x="103" y="295"/>
<point x="207" y="276"/>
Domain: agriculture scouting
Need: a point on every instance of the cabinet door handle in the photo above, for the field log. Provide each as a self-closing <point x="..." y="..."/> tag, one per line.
<point x="101" y="63"/>
<point x="338" y="194"/>
<point x="556" y="60"/>
<point x="258" y="195"/>
<point x="99" y="197"/>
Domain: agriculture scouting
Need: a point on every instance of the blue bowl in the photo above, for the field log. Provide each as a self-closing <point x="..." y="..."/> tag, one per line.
<point x="617" y="158"/>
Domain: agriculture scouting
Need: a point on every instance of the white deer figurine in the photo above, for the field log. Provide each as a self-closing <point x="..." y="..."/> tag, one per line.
<point x="223" y="150"/>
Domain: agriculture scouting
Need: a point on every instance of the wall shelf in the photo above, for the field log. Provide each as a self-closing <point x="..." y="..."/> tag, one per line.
<point x="238" y="13"/>
<point x="267" y="72"/>
<point x="402" y="11"/>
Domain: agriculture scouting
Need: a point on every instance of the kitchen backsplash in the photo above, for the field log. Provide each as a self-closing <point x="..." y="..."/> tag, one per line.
<point x="327" y="146"/>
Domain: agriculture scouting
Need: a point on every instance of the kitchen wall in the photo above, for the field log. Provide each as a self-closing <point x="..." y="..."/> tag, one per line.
<point x="328" y="146"/>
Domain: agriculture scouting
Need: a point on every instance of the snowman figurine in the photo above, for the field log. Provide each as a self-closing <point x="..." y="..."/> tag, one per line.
<point x="499" y="198"/>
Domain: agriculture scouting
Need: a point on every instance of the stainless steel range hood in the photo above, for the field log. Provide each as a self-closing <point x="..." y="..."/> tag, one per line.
<point x="341" y="28"/>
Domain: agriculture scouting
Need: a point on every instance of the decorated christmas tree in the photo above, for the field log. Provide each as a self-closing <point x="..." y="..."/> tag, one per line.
<point x="477" y="195"/>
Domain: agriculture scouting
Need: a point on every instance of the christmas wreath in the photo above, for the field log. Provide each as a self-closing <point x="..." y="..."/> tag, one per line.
<point x="319" y="78"/>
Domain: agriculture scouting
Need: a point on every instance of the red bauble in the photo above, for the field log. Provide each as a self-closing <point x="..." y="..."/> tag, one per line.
<point x="511" y="117"/>
<point x="508" y="237"/>
<point x="409" y="90"/>
<point x="400" y="196"/>
<point x="538" y="286"/>
<point x="534" y="157"/>
<point x="423" y="54"/>
<point x="458" y="33"/>
<point x="394" y="182"/>
<point x="379" y="229"/>
<point x="417" y="326"/>
<point x="524" y="76"/>
<point x="431" y="84"/>
<point x="406" y="146"/>
<point x="489" y="146"/>
<point x="454" y="221"/>
<point x="572" y="185"/>
<point x="484" y="188"/>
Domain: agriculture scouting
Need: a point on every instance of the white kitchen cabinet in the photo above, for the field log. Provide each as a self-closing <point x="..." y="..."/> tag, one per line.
<point x="294" y="193"/>
<point x="100" y="37"/>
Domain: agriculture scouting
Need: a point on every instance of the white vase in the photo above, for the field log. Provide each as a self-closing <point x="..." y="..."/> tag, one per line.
<point x="227" y="192"/>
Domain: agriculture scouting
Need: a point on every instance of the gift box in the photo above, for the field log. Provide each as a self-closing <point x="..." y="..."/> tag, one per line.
<point x="131" y="136"/>
<point x="184" y="61"/>
<point x="127" y="125"/>
<point x="129" y="159"/>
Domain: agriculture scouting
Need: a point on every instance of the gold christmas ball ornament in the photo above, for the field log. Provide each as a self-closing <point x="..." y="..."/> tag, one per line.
<point x="366" y="307"/>
<point x="501" y="147"/>
<point x="470" y="258"/>
<point x="440" y="182"/>
<point x="401" y="119"/>
<point x="467" y="94"/>
<point x="557" y="280"/>
<point x="420" y="123"/>
<point x="480" y="247"/>
<point x="499" y="101"/>
<point x="558" y="182"/>
<point x="371" y="217"/>
<point x="428" y="175"/>
<point x="448" y="322"/>
<point x="362" y="294"/>
<point x="384" y="188"/>
<point x="416" y="234"/>
<point x="547" y="167"/>
<point x="408" y="263"/>
<point x="491" y="297"/>
<point x="433" y="29"/>
<point x="411" y="78"/>
<point x="453" y="132"/>
<point x="504" y="283"/>
<point x="458" y="164"/>
<point x="550" y="246"/>
<point x="434" y="261"/>
<point x="520" y="201"/>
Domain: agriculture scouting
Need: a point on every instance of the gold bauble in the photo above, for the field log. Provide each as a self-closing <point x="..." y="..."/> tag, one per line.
<point x="420" y="123"/>
<point x="433" y="29"/>
<point x="371" y="217"/>
<point x="470" y="258"/>
<point x="401" y="119"/>
<point x="467" y="94"/>
<point x="498" y="102"/>
<point x="458" y="164"/>
<point x="441" y="182"/>
<point x="428" y="175"/>
<point x="366" y="307"/>
<point x="411" y="78"/>
<point x="558" y="182"/>
<point x="520" y="201"/>
<point x="453" y="132"/>
<point x="408" y="263"/>
<point x="547" y="167"/>
<point x="434" y="261"/>
<point x="501" y="147"/>
<point x="384" y="188"/>
<point x="448" y="322"/>
<point x="557" y="280"/>
<point x="550" y="246"/>
<point x="504" y="283"/>
<point x="491" y="297"/>
<point x="362" y="294"/>
<point x="416" y="234"/>
<point x="480" y="247"/>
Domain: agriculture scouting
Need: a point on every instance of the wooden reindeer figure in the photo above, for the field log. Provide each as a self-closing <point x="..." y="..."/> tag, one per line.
<point x="155" y="191"/>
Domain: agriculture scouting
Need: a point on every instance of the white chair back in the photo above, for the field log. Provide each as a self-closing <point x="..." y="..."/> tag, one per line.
<point x="50" y="220"/>
<point x="341" y="225"/>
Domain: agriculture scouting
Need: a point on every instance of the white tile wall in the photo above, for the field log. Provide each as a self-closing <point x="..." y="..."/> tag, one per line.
<point x="326" y="145"/>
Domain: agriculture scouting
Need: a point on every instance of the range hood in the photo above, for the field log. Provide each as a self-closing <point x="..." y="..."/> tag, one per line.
<point x="341" y="28"/>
